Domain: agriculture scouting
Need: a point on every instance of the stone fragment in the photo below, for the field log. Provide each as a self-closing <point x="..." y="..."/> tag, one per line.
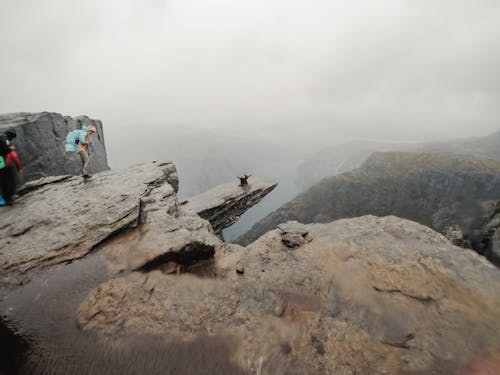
<point x="240" y="270"/>
<point x="293" y="240"/>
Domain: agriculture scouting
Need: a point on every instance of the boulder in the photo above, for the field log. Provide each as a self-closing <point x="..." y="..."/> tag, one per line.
<point x="294" y="234"/>
<point x="40" y="143"/>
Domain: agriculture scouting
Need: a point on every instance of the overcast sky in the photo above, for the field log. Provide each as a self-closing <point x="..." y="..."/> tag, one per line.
<point x="376" y="69"/>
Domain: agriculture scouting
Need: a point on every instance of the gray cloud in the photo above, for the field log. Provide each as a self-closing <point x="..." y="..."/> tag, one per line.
<point x="392" y="69"/>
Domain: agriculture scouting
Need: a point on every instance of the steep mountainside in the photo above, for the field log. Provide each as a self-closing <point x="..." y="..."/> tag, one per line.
<point x="437" y="190"/>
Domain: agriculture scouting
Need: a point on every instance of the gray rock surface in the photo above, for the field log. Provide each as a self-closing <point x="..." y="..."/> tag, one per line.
<point x="40" y="143"/>
<point x="223" y="205"/>
<point x="294" y="234"/>
<point x="366" y="296"/>
<point x="438" y="190"/>
<point x="64" y="218"/>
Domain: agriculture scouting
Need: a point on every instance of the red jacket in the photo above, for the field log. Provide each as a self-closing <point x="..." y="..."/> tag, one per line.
<point x="12" y="158"/>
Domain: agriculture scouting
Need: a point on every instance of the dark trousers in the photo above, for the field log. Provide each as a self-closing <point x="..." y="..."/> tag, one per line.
<point x="8" y="182"/>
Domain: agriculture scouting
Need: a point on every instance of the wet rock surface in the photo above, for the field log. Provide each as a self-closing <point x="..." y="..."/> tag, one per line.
<point x="65" y="236"/>
<point x="40" y="143"/>
<point x="64" y="218"/>
<point x="366" y="295"/>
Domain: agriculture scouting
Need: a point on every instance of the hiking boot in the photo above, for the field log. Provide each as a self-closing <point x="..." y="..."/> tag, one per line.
<point x="86" y="176"/>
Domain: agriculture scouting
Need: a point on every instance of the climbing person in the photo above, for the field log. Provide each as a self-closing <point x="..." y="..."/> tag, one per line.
<point x="9" y="164"/>
<point x="244" y="179"/>
<point x="79" y="141"/>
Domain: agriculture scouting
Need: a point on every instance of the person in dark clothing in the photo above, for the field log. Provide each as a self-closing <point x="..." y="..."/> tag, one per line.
<point x="8" y="167"/>
<point x="244" y="179"/>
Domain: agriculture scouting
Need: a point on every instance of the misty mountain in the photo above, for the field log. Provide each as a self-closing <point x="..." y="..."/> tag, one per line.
<point x="487" y="147"/>
<point x="436" y="190"/>
<point x="334" y="160"/>
<point x="330" y="161"/>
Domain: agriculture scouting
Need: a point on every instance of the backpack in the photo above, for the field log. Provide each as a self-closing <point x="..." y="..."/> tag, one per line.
<point x="73" y="138"/>
<point x="4" y="145"/>
<point x="4" y="150"/>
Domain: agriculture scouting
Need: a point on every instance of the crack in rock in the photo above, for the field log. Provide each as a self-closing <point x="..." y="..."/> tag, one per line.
<point x="424" y="300"/>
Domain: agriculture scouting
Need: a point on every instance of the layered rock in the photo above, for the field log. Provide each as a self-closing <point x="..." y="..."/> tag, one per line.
<point x="223" y="205"/>
<point x="40" y="143"/>
<point x="438" y="190"/>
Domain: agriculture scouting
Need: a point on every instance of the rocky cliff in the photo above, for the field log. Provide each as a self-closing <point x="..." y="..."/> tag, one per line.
<point x="40" y="143"/>
<point x="438" y="190"/>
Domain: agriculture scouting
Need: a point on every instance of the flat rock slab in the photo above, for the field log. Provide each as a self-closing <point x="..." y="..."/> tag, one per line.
<point x="224" y="204"/>
<point x="64" y="218"/>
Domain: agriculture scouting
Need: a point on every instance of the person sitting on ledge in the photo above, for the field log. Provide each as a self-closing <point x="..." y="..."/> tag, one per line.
<point x="244" y="179"/>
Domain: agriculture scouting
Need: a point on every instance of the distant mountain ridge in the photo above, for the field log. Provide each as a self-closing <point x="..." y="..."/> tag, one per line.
<point x="334" y="160"/>
<point x="436" y="190"/>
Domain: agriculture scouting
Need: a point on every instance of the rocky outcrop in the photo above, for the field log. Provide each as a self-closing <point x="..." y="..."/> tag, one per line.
<point x="438" y="190"/>
<point x="223" y="205"/>
<point x="40" y="143"/>
<point x="294" y="234"/>
<point x="63" y="218"/>
<point x="365" y="295"/>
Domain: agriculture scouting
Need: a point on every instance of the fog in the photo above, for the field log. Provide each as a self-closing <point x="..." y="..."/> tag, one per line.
<point x="226" y="86"/>
<point x="387" y="69"/>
